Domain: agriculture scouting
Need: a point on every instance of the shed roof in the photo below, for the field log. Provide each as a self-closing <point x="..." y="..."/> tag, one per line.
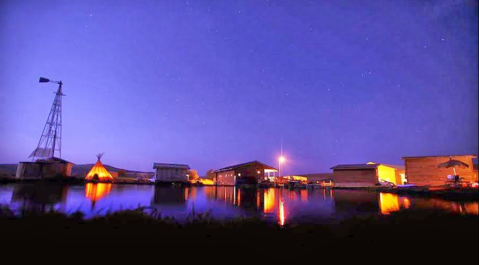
<point x="168" y="165"/>
<point x="356" y="166"/>
<point x="54" y="159"/>
<point x="369" y="165"/>
<point x="406" y="157"/>
<point x="245" y="164"/>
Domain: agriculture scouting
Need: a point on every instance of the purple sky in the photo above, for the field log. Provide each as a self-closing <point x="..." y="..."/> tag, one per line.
<point x="215" y="83"/>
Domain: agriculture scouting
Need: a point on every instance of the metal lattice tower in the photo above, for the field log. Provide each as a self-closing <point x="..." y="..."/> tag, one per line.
<point x="51" y="138"/>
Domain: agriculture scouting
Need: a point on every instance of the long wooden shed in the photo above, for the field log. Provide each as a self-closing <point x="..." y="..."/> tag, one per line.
<point x="423" y="170"/>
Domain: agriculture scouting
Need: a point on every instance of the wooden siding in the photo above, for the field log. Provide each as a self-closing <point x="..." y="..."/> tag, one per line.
<point x="423" y="171"/>
<point x="171" y="175"/>
<point x="33" y="170"/>
<point x="355" y="177"/>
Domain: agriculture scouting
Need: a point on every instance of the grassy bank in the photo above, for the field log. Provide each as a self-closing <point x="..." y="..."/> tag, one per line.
<point x="246" y="238"/>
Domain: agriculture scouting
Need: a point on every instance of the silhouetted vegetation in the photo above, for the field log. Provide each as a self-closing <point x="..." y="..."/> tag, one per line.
<point x="412" y="230"/>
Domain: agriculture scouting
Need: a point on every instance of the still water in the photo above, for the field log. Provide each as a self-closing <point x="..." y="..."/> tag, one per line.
<point x="275" y="204"/>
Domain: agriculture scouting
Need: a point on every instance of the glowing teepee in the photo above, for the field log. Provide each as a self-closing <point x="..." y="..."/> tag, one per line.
<point x="98" y="172"/>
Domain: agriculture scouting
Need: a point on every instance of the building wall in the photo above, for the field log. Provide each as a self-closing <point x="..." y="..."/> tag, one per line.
<point x="171" y="174"/>
<point x="226" y="178"/>
<point x="388" y="174"/>
<point x="249" y="173"/>
<point x="33" y="170"/>
<point x="355" y="177"/>
<point x="28" y="170"/>
<point x="400" y="176"/>
<point x="423" y="171"/>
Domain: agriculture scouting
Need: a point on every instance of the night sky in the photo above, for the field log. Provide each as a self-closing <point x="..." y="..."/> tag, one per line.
<point x="215" y="83"/>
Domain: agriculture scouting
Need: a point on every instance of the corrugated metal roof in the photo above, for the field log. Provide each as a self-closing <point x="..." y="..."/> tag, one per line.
<point x="168" y="165"/>
<point x="244" y="164"/>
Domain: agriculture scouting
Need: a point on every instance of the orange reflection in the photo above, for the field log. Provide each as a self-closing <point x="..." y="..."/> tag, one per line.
<point x="97" y="191"/>
<point x="239" y="197"/>
<point x="304" y="195"/>
<point x="388" y="203"/>
<point x="281" y="214"/>
<point x="269" y="200"/>
<point x="258" y="199"/>
<point x="472" y="208"/>
<point x="406" y="202"/>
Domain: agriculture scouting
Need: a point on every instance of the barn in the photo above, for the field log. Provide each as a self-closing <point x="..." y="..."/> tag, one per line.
<point x="171" y="172"/>
<point x="423" y="170"/>
<point x="366" y="175"/>
<point x="245" y="173"/>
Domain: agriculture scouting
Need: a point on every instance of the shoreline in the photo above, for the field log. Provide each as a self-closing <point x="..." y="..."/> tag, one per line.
<point x="453" y="194"/>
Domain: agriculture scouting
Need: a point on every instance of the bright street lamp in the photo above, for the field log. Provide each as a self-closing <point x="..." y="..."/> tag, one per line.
<point x="281" y="160"/>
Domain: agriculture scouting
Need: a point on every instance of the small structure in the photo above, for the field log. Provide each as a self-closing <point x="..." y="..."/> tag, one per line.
<point x="98" y="173"/>
<point x="246" y="173"/>
<point x="44" y="169"/>
<point x="424" y="171"/>
<point x="367" y="175"/>
<point x="171" y="172"/>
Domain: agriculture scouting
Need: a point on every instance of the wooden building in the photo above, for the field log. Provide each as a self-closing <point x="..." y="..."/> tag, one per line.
<point x="423" y="170"/>
<point x="44" y="169"/>
<point x="246" y="173"/>
<point x="366" y="175"/>
<point x="171" y="172"/>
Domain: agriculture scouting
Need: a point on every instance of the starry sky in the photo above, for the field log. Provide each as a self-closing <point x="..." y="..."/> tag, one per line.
<point x="215" y="83"/>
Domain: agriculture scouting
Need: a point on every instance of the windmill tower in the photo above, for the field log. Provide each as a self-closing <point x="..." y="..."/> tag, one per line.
<point x="51" y="138"/>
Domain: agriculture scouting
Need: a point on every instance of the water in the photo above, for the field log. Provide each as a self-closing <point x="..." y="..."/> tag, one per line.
<point x="275" y="204"/>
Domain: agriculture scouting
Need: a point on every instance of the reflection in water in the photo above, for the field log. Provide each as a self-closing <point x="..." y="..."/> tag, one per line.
<point x="388" y="203"/>
<point x="37" y="197"/>
<point x="96" y="191"/>
<point x="275" y="204"/>
<point x="170" y="196"/>
<point x="269" y="200"/>
<point x="449" y="206"/>
<point x="281" y="212"/>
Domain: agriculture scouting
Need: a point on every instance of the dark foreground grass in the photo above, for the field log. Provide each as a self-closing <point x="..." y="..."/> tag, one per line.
<point x="431" y="236"/>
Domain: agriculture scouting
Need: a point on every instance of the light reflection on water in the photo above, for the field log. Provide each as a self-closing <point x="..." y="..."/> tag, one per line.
<point x="276" y="204"/>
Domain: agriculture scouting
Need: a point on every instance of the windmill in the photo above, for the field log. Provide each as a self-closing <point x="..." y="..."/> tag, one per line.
<point x="51" y="138"/>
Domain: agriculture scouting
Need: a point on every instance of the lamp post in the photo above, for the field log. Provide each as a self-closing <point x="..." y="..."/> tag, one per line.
<point x="280" y="160"/>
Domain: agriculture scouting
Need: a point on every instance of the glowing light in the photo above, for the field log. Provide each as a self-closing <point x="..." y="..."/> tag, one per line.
<point x="282" y="159"/>
<point x="99" y="173"/>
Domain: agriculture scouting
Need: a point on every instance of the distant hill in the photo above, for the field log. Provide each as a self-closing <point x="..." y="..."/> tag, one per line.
<point x="9" y="170"/>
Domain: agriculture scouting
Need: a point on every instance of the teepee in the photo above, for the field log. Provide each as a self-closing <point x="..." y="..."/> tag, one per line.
<point x="98" y="172"/>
